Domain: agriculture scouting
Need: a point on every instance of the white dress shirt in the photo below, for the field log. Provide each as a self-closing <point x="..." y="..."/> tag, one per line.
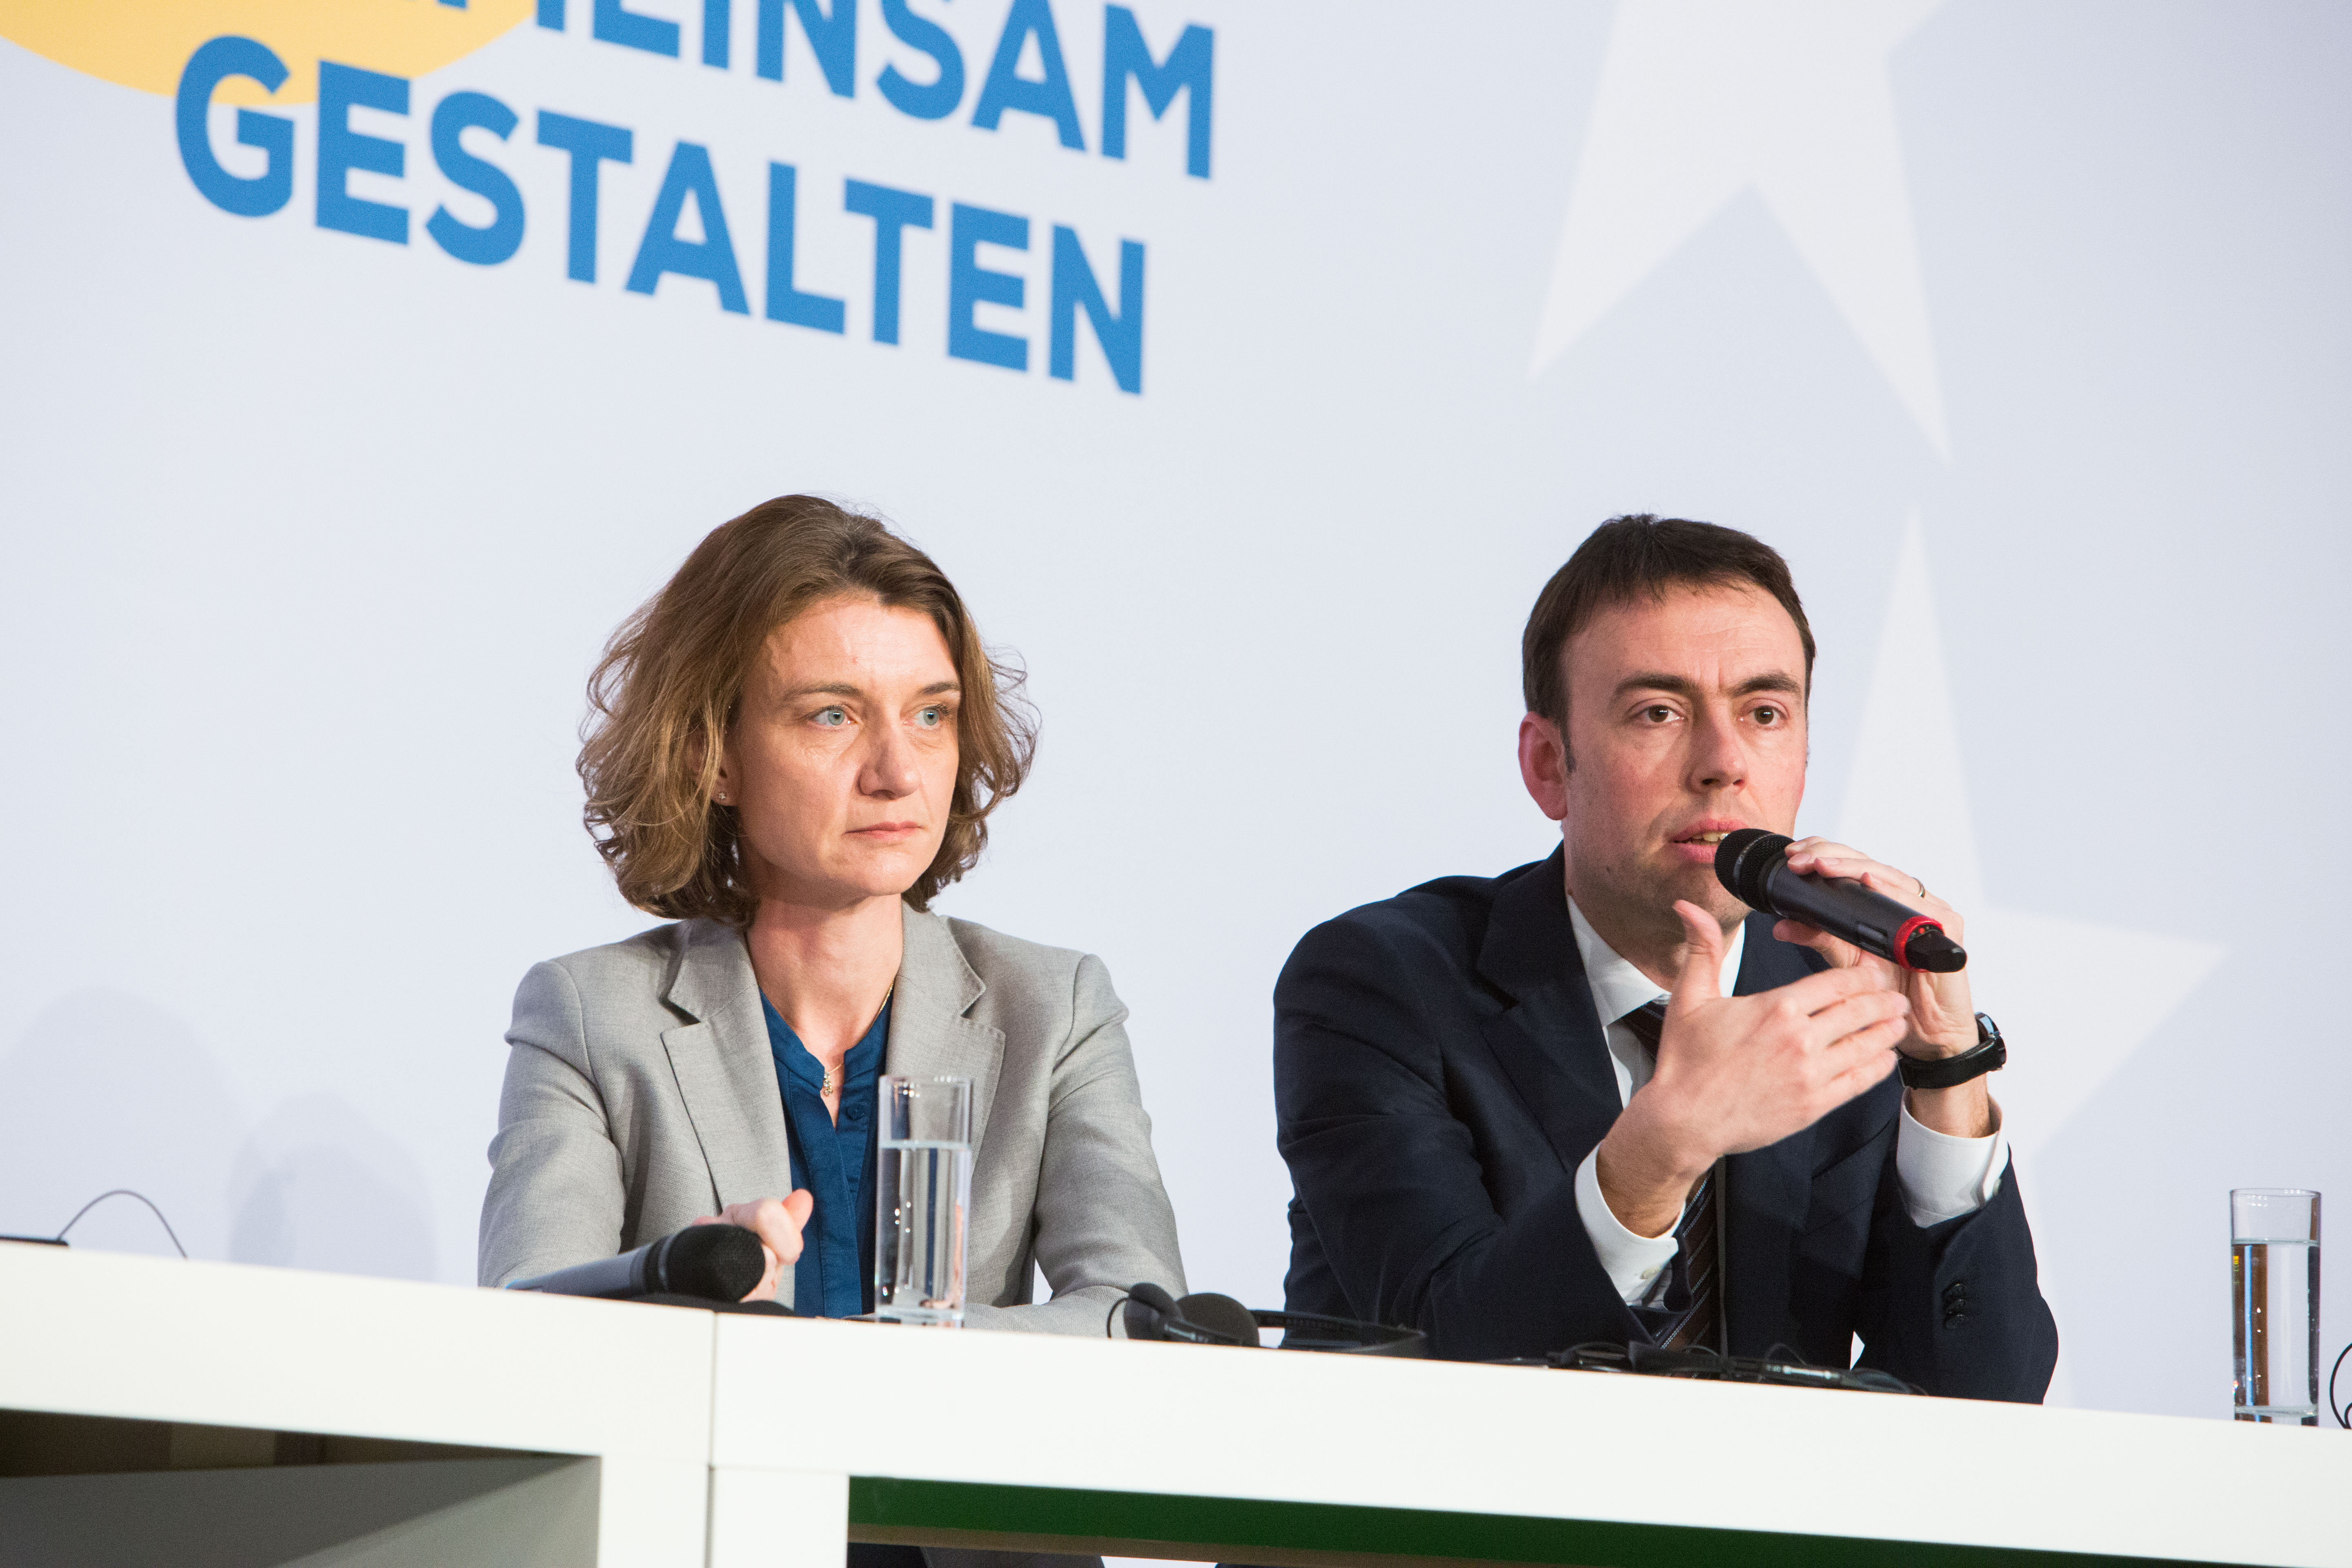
<point x="1941" y="1177"/>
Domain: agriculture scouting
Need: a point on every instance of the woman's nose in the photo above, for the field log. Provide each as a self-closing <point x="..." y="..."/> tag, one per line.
<point x="889" y="770"/>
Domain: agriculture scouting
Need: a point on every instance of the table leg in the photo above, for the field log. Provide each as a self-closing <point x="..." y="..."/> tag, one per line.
<point x="651" y="1513"/>
<point x="778" y="1519"/>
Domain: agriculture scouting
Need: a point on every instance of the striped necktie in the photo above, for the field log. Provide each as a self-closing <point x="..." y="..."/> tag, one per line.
<point x="1692" y="1311"/>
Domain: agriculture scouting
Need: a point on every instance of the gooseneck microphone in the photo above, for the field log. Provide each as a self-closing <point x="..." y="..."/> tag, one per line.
<point x="1207" y="1319"/>
<point x="715" y="1262"/>
<point x="1754" y="865"/>
<point x="1202" y="1319"/>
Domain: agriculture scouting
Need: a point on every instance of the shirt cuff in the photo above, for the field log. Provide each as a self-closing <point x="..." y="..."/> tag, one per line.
<point x="1943" y="1177"/>
<point x="1634" y="1263"/>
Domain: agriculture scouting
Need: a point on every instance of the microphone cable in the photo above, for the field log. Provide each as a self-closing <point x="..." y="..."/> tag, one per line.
<point x="60" y="1239"/>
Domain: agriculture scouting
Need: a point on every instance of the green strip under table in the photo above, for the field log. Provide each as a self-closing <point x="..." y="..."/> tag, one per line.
<point x="1281" y="1534"/>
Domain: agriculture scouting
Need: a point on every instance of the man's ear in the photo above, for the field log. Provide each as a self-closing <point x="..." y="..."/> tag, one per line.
<point x="1544" y="764"/>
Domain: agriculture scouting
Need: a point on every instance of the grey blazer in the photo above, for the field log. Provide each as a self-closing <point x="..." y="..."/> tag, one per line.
<point x="640" y="1094"/>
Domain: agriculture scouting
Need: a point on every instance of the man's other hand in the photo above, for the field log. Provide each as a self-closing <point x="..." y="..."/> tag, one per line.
<point x="1943" y="1017"/>
<point x="777" y="1222"/>
<point x="1736" y="1073"/>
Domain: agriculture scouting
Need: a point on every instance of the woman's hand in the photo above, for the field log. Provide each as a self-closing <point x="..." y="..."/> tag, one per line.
<point x="777" y="1223"/>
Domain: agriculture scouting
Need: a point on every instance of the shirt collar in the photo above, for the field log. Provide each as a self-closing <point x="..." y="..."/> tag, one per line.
<point x="1617" y="986"/>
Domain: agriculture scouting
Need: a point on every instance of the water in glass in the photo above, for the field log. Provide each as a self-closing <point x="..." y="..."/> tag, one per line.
<point x="922" y="1195"/>
<point x="2274" y="1302"/>
<point x="919" y="1244"/>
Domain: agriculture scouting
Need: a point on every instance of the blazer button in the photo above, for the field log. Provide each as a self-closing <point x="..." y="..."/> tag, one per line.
<point x="1955" y="1293"/>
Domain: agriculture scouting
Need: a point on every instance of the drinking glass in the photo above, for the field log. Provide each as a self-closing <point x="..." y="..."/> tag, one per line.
<point x="2275" y="1303"/>
<point x="921" y="1195"/>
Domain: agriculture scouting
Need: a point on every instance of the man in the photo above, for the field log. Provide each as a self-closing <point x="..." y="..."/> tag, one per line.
<point x="1494" y="1134"/>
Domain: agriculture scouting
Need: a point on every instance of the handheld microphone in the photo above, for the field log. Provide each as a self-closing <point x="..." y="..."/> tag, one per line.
<point x="1754" y="865"/>
<point x="715" y="1262"/>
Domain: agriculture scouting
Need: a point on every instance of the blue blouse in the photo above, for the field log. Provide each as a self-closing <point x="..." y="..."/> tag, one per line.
<point x="834" y="1160"/>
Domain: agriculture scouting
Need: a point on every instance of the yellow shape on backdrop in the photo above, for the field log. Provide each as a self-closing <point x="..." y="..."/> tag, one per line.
<point x="145" y="44"/>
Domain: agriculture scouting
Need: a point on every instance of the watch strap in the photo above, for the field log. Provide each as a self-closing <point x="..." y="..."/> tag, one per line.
<point x="1989" y="1054"/>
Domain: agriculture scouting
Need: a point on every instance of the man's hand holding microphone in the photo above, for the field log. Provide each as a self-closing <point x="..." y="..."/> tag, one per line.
<point x="1738" y="1073"/>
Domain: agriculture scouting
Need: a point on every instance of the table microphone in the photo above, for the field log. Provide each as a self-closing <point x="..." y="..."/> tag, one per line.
<point x="715" y="1262"/>
<point x="1754" y="865"/>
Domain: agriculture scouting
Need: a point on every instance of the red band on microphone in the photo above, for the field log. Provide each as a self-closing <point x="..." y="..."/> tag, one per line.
<point x="1907" y="931"/>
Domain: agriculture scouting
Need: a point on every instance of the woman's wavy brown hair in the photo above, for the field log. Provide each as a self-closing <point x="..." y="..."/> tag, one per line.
<point x="665" y="694"/>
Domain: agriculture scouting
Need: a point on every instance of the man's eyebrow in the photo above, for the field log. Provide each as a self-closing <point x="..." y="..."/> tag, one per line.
<point x="1655" y="680"/>
<point x="1682" y="686"/>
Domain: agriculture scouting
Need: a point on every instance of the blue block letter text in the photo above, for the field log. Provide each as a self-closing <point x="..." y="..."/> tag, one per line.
<point x="970" y="284"/>
<point x="493" y="243"/>
<point x="1191" y="65"/>
<point x="215" y="62"/>
<point x="342" y="148"/>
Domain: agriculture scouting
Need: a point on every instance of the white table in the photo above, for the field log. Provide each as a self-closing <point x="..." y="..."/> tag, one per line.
<point x="596" y="1433"/>
<point x="230" y="1355"/>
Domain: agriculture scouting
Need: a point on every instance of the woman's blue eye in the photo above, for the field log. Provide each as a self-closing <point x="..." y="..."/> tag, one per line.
<point x="931" y="716"/>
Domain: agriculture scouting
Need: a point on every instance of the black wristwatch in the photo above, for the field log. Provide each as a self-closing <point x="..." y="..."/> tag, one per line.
<point x="1988" y="1055"/>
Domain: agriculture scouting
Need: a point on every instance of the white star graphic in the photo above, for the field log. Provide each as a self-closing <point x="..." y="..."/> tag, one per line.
<point x="2074" y="998"/>
<point x="1701" y="100"/>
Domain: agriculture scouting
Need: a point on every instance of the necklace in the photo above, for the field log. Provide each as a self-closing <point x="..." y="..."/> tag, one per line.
<point x="830" y="1085"/>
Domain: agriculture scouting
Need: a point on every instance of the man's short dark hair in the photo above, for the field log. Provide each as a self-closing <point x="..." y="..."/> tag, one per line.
<point x="1642" y="556"/>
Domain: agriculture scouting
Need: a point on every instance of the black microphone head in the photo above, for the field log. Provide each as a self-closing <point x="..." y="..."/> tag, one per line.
<point x="1931" y="948"/>
<point x="1155" y="1297"/>
<point x="1742" y="861"/>
<point x="716" y="1262"/>
<point x="1220" y="1315"/>
<point x="1148" y="1309"/>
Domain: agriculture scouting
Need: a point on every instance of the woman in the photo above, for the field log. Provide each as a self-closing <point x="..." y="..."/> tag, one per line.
<point x="792" y="749"/>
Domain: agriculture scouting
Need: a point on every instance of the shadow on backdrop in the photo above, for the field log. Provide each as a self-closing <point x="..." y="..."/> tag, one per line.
<point x="104" y="1088"/>
<point x="317" y="1185"/>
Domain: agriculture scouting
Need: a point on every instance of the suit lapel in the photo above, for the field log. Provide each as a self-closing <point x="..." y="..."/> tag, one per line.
<point x="725" y="1071"/>
<point x="1767" y="1189"/>
<point x="930" y="1035"/>
<point x="1549" y="1040"/>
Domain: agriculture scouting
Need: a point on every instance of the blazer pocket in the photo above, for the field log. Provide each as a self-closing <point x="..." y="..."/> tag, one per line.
<point x="1850" y="1183"/>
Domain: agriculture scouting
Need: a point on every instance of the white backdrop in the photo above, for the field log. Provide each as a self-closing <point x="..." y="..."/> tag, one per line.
<point x="2022" y="330"/>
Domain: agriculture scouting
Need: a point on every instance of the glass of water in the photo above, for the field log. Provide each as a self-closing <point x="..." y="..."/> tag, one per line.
<point x="2275" y="1303"/>
<point x="921" y="1194"/>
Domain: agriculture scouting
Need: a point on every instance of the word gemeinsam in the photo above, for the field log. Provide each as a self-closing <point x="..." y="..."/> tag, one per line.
<point x="1072" y="285"/>
<point x="832" y="37"/>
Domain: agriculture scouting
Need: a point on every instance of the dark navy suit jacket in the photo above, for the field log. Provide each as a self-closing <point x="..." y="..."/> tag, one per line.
<point x="1440" y="1072"/>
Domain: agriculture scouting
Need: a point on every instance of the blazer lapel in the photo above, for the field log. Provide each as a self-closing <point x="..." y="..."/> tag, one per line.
<point x="1550" y="1040"/>
<point x="930" y="1035"/>
<point x="725" y="1071"/>
<point x="1767" y="1189"/>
